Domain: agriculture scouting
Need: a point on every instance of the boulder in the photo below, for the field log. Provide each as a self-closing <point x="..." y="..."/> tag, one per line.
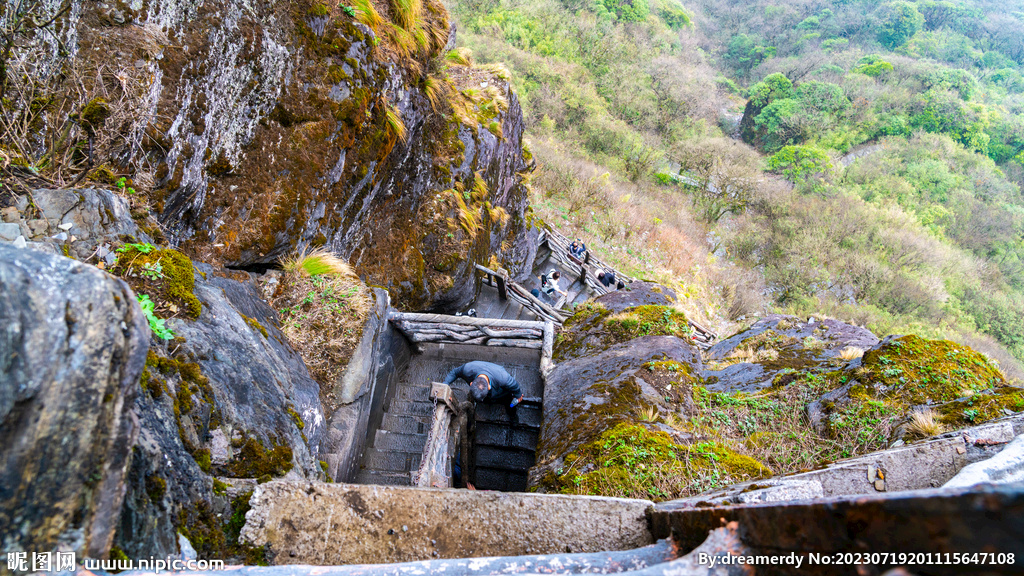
<point x="72" y="349"/>
<point x="227" y="398"/>
<point x="778" y="347"/>
<point x="589" y="395"/>
<point x="637" y="294"/>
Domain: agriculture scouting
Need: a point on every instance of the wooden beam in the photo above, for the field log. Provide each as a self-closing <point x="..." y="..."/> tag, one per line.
<point x="492" y="323"/>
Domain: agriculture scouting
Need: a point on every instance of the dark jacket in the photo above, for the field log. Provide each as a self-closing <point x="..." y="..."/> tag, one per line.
<point x="503" y="384"/>
<point x="608" y="279"/>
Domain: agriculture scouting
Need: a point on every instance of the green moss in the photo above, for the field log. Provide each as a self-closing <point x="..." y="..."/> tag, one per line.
<point x="173" y="285"/>
<point x="915" y="370"/>
<point x="156" y="487"/>
<point x="632" y="461"/>
<point x="295" y="417"/>
<point x="203" y="459"/>
<point x="118" y="555"/>
<point x="201" y="525"/>
<point x="254" y="460"/>
<point x="255" y="325"/>
<point x="319" y="10"/>
<point x="93" y="115"/>
<point x="981" y="407"/>
<point x="220" y="488"/>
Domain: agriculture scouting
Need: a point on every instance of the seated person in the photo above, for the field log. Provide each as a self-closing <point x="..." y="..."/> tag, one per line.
<point x="577" y="248"/>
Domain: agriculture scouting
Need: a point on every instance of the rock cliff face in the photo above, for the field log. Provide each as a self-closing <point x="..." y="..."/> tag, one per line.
<point x="262" y="127"/>
<point x="72" y="348"/>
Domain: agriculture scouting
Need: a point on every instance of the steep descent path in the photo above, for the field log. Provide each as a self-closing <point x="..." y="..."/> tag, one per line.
<point x="502" y="454"/>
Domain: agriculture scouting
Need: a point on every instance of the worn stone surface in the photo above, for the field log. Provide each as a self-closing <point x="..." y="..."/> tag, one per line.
<point x="927" y="464"/>
<point x="345" y="432"/>
<point x="1004" y="468"/>
<point x="983" y="519"/>
<point x="252" y="382"/>
<point x="588" y="395"/>
<point x="72" y="345"/>
<point x="785" y="343"/>
<point x="638" y="294"/>
<point x="303" y="523"/>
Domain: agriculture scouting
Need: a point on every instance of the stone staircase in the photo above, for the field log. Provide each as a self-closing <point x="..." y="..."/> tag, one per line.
<point x="502" y="454"/>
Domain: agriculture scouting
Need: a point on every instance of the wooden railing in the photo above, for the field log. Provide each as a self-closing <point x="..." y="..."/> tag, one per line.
<point x="436" y="462"/>
<point x="507" y="289"/>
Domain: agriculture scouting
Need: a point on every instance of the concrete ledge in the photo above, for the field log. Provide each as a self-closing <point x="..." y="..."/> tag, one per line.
<point x="315" y="523"/>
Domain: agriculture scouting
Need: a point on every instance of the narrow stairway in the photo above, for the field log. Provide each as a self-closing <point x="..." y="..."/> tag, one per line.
<point x="503" y="455"/>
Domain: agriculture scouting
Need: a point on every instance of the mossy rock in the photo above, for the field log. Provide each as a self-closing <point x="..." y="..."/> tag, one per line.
<point x="912" y="370"/>
<point x="166" y="275"/>
<point x="593" y="328"/>
<point x="253" y="460"/>
<point x="632" y="461"/>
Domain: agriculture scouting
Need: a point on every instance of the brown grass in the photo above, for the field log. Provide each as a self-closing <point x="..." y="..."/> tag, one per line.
<point x="851" y="353"/>
<point x="924" y="424"/>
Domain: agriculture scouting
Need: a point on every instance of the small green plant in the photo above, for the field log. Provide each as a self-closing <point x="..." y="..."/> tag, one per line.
<point x="122" y="185"/>
<point x="349" y="10"/>
<point x="152" y="270"/>
<point x="970" y="414"/>
<point x="155" y="324"/>
<point x="143" y="248"/>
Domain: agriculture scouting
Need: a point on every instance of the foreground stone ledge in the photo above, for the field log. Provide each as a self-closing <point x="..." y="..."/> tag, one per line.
<point x="316" y="523"/>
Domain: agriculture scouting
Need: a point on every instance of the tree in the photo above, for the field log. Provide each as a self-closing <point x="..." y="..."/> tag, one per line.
<point x="900" y="21"/>
<point x="798" y="163"/>
<point x="723" y="176"/>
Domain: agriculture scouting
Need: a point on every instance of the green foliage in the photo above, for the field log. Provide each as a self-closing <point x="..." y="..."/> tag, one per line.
<point x="157" y="325"/>
<point x="798" y="163"/>
<point x="122" y="186"/>
<point x="625" y="10"/>
<point x="872" y="65"/>
<point x="773" y="87"/>
<point x="900" y="21"/>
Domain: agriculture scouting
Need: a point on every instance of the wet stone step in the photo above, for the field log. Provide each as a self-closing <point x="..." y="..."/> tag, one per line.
<point x="529" y="414"/>
<point x="422" y="409"/>
<point x="396" y="442"/>
<point x="497" y="435"/>
<point x="392" y="461"/>
<point x="405" y="424"/>
<point x="385" y="478"/>
<point x="492" y="479"/>
<point x="503" y="458"/>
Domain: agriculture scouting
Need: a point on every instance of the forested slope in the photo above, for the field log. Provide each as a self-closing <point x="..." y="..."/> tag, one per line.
<point x="875" y="175"/>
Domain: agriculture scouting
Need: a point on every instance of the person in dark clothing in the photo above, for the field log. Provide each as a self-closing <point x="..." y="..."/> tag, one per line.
<point x="606" y="278"/>
<point x="490" y="384"/>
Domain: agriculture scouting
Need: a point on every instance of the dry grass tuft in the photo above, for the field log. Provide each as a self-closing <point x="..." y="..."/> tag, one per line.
<point x="648" y="414"/>
<point x="396" y="127"/>
<point x="460" y="56"/>
<point x="323" y="307"/>
<point x="316" y="263"/>
<point x="851" y="353"/>
<point x="367" y="15"/>
<point x="924" y="425"/>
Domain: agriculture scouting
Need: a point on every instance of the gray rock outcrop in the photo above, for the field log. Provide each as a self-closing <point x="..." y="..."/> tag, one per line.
<point x="72" y="346"/>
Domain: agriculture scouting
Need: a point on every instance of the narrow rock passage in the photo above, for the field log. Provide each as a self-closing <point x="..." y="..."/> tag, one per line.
<point x="502" y="455"/>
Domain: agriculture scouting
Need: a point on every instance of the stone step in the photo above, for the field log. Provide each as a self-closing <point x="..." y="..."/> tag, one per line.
<point x="504" y="480"/>
<point x="405" y="424"/>
<point x="488" y="434"/>
<point x="384" y="478"/>
<point x="397" y="442"/>
<point x="420" y="409"/>
<point x="503" y="458"/>
<point x="385" y="461"/>
<point x="529" y="414"/>
<point x="413" y="393"/>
